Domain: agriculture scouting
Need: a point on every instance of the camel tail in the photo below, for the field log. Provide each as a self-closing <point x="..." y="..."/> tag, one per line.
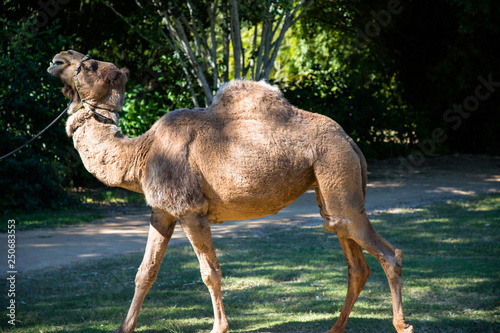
<point x="362" y="162"/>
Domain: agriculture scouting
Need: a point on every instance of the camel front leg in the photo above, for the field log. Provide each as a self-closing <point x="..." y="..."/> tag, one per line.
<point x="197" y="229"/>
<point x="160" y="231"/>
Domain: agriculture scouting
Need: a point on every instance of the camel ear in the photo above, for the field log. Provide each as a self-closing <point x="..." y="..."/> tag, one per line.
<point x="115" y="76"/>
<point x="125" y="71"/>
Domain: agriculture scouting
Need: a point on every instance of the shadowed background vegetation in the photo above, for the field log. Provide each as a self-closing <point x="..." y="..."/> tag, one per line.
<point x="387" y="71"/>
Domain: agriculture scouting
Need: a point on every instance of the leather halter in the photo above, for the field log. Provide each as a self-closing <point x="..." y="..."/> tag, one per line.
<point x="99" y="117"/>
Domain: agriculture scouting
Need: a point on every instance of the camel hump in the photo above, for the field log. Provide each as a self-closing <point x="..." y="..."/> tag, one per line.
<point x="251" y="98"/>
<point x="235" y="89"/>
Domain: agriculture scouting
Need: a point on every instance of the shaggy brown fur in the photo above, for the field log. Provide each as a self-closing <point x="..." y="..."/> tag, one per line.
<point x="248" y="155"/>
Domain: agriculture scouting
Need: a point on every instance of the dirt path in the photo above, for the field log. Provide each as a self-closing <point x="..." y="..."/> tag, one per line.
<point x="391" y="185"/>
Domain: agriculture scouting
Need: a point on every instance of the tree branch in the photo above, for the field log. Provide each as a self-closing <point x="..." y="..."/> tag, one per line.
<point x="215" y="73"/>
<point x="264" y="43"/>
<point x="296" y="17"/>
<point x="236" y="38"/>
<point x="289" y="20"/>
<point x="179" y="33"/>
<point x="174" y="46"/>
<point x="225" y="42"/>
<point x="253" y="53"/>
<point x="133" y="27"/>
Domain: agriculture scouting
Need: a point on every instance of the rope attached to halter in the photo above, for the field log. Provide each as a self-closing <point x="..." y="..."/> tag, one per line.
<point x="36" y="136"/>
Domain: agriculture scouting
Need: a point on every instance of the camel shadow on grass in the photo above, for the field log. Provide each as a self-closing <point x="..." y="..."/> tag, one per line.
<point x="372" y="325"/>
<point x="451" y="283"/>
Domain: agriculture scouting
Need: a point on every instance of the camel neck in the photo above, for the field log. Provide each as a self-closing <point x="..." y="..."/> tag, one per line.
<point x="115" y="159"/>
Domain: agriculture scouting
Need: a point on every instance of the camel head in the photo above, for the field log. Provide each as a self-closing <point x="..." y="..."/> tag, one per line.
<point x="97" y="82"/>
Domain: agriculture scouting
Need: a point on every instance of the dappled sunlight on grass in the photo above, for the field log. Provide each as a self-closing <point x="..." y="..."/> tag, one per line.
<point x="292" y="280"/>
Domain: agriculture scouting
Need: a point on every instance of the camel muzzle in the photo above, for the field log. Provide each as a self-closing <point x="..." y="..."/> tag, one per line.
<point x="57" y="65"/>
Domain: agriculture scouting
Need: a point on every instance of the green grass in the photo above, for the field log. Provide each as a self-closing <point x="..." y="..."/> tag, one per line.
<point x="88" y="205"/>
<point x="291" y="279"/>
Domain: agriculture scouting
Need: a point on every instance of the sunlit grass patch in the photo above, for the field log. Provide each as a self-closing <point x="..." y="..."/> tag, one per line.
<point x="293" y="279"/>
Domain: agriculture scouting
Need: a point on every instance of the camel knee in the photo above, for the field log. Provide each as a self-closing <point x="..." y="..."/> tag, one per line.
<point x="145" y="277"/>
<point x="336" y="225"/>
<point x="393" y="265"/>
<point x="211" y="276"/>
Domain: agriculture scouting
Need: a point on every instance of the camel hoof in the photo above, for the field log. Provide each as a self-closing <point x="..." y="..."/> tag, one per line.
<point x="118" y="330"/>
<point x="336" y="329"/>
<point x="406" y="329"/>
<point x="221" y="329"/>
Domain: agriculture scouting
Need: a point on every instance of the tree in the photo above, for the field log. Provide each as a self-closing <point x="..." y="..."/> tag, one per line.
<point x="390" y="80"/>
<point x="29" y="100"/>
<point x="203" y="33"/>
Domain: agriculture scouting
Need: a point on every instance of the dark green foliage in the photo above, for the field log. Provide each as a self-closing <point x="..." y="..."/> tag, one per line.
<point x="162" y="90"/>
<point x="371" y="114"/>
<point x="29" y="183"/>
<point x="29" y="100"/>
<point x="402" y="77"/>
<point x="388" y="93"/>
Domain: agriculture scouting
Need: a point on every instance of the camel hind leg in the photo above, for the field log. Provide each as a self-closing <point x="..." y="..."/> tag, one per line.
<point x="341" y="200"/>
<point x="358" y="272"/>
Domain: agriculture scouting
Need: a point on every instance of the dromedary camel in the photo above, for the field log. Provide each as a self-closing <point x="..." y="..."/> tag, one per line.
<point x="248" y="155"/>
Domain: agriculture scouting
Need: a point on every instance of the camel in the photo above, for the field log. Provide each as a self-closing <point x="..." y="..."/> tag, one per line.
<point x="248" y="155"/>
